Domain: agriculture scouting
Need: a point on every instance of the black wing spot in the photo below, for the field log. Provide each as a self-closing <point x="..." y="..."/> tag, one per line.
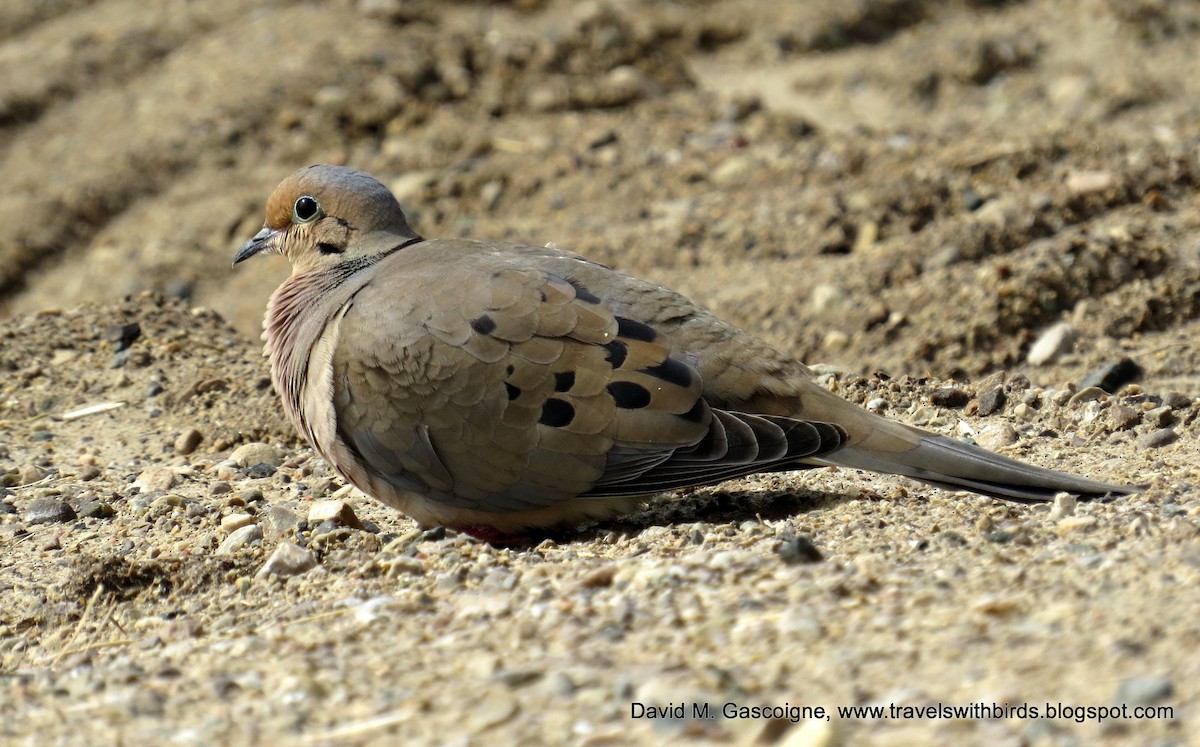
<point x="564" y="380"/>
<point x="697" y="413"/>
<point x="672" y="372"/>
<point x="508" y="371"/>
<point x="632" y="330"/>
<point x="513" y="392"/>
<point x="557" y="413"/>
<point x="484" y="324"/>
<point x="628" y="395"/>
<point x="325" y="247"/>
<point x="616" y="353"/>
<point x="582" y="293"/>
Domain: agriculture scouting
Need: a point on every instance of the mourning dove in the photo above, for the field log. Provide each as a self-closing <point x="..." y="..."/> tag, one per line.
<point x="500" y="388"/>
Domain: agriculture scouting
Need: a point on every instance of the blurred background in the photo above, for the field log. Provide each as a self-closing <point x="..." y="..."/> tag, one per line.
<point x="921" y="186"/>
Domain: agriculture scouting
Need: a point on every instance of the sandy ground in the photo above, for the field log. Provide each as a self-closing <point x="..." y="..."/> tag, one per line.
<point x="907" y="193"/>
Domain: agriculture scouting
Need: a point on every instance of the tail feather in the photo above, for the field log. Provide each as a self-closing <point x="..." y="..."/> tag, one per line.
<point x="957" y="465"/>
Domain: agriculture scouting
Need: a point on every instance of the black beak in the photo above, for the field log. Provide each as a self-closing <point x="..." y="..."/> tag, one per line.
<point x="260" y="243"/>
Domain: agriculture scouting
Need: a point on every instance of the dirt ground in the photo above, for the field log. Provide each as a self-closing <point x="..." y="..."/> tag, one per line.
<point x="906" y="193"/>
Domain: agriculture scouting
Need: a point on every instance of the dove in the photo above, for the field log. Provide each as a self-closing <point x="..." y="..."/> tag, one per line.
<point x="500" y="389"/>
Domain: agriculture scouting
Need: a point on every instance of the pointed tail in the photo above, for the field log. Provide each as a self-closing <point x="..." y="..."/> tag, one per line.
<point x="883" y="445"/>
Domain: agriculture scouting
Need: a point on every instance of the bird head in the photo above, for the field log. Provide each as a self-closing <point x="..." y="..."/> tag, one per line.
<point x="323" y="215"/>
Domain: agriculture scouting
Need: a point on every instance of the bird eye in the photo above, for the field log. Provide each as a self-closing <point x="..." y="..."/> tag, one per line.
<point x="306" y="209"/>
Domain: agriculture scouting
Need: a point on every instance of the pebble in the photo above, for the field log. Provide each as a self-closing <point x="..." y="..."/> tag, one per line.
<point x="997" y="435"/>
<point x="30" y="474"/>
<point x="877" y="404"/>
<point x="289" y="559"/>
<point x="155" y="479"/>
<point x="733" y="169"/>
<point x="240" y="538"/>
<point x="1160" y="416"/>
<point x="814" y="733"/>
<point x="799" y="549"/>
<point x="1089" y="182"/>
<point x="1112" y="376"/>
<point x="1055" y="341"/>
<point x="1124" y="417"/>
<point x="1075" y="524"/>
<point x="48" y="510"/>
<point x="1177" y="401"/>
<point x="233" y="522"/>
<point x="1087" y="394"/>
<point x="825" y="298"/>
<point x="336" y="511"/>
<point x="1064" y="506"/>
<point x="801" y="623"/>
<point x="97" y="510"/>
<point x="949" y="396"/>
<point x="187" y="441"/>
<point x="1145" y="690"/>
<point x="250" y="454"/>
<point x="1158" y="438"/>
<point x="991" y="401"/>
<point x="123" y="334"/>
<point x="494" y="709"/>
<point x="260" y="470"/>
<point x="281" y="521"/>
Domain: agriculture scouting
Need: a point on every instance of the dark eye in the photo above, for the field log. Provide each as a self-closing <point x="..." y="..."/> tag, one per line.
<point x="306" y="209"/>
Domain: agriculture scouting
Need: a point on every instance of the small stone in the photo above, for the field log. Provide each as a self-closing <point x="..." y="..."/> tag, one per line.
<point x="731" y="170"/>
<point x="256" y="453"/>
<point x="996" y="436"/>
<point x="1177" y="401"/>
<point x="281" y="521"/>
<point x="167" y="503"/>
<point x="815" y="732"/>
<point x="97" y="510"/>
<point x="991" y="401"/>
<point x="1124" y="417"/>
<point x="495" y="708"/>
<point x="799" y="549"/>
<point x="826" y="298"/>
<point x="123" y="334"/>
<point x="232" y="522"/>
<point x="260" y="470"/>
<point x="47" y="511"/>
<point x="1087" y="394"/>
<point x="30" y="474"/>
<point x="1075" y="525"/>
<point x="220" y="487"/>
<point x="1145" y="690"/>
<point x="949" y="396"/>
<point x="155" y="479"/>
<point x="337" y="511"/>
<point x="240" y="538"/>
<point x="1160" y="416"/>
<point x="1055" y="341"/>
<point x="187" y="441"/>
<point x="877" y="404"/>
<point x="289" y="559"/>
<point x="1112" y="376"/>
<point x="1064" y="506"/>
<point x="1089" y="182"/>
<point x="7" y="508"/>
<point x="1024" y="412"/>
<point x="1158" y="438"/>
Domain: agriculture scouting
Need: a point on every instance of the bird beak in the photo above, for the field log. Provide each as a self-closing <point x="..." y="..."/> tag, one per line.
<point x="262" y="241"/>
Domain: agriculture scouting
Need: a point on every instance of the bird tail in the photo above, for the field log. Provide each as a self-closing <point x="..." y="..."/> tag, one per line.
<point x="882" y="445"/>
